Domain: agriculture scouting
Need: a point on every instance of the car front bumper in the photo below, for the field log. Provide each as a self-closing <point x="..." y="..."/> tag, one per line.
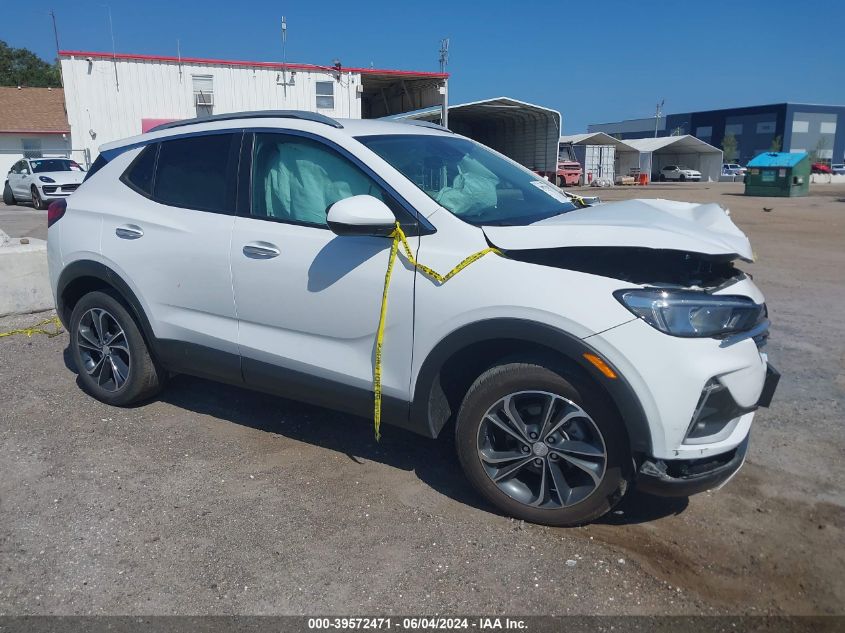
<point x="685" y="477"/>
<point x="52" y="192"/>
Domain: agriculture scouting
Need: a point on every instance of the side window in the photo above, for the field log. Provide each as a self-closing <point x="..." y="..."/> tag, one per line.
<point x="198" y="172"/>
<point x="139" y="175"/>
<point x="296" y="180"/>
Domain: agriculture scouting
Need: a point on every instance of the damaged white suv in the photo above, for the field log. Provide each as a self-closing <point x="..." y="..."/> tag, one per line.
<point x="591" y="348"/>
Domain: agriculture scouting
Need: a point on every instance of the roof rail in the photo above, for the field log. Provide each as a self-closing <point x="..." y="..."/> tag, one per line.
<point x="260" y="114"/>
<point x="433" y="126"/>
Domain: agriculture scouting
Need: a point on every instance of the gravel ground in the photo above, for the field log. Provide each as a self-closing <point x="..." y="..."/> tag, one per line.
<point x="216" y="500"/>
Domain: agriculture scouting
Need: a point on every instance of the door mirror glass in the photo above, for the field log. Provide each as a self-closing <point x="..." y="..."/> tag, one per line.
<point x="361" y="215"/>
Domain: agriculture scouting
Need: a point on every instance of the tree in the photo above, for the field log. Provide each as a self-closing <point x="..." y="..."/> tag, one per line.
<point x="777" y="144"/>
<point x="816" y="154"/>
<point x="22" y="67"/>
<point x="729" y="147"/>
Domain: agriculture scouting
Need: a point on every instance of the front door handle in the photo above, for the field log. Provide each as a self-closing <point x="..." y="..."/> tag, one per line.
<point x="261" y="250"/>
<point x="129" y="232"/>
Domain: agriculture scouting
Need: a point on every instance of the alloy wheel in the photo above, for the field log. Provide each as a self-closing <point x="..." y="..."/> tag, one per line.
<point x="542" y="449"/>
<point x="103" y="349"/>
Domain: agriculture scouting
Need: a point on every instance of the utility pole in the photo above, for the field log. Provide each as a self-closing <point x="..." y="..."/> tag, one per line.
<point x="444" y="61"/>
<point x="56" y="35"/>
<point x="657" y="114"/>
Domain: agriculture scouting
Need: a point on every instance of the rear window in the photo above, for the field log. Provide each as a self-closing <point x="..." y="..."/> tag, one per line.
<point x="198" y="172"/>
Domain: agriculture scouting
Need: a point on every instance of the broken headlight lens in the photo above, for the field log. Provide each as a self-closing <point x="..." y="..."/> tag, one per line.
<point x="690" y="313"/>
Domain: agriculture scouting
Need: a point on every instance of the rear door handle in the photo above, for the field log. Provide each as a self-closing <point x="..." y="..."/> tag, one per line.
<point x="261" y="250"/>
<point x="129" y="232"/>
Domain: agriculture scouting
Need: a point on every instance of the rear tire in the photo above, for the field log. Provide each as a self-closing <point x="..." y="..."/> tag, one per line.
<point x="8" y="196"/>
<point x="110" y="353"/>
<point x="570" y="476"/>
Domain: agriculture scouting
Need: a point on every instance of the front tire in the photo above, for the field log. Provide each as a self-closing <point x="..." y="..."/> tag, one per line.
<point x="110" y="353"/>
<point x="540" y="446"/>
<point x="37" y="201"/>
<point x="8" y="196"/>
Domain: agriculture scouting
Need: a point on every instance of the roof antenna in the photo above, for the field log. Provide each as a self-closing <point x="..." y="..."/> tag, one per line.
<point x="113" y="50"/>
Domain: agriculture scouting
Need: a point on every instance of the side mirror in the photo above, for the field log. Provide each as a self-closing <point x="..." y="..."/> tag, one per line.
<point x="361" y="215"/>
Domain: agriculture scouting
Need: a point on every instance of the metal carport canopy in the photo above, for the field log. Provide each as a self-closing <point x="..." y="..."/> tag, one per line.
<point x="524" y="132"/>
<point x="596" y="138"/>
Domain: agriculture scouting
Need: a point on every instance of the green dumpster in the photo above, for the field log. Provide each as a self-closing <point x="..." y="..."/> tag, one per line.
<point x="778" y="174"/>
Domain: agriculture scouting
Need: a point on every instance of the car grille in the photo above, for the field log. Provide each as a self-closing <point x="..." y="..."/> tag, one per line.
<point x="72" y="187"/>
<point x="50" y="189"/>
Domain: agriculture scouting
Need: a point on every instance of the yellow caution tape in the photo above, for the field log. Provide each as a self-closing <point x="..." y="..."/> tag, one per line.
<point x="578" y="199"/>
<point x="38" y="329"/>
<point x="398" y="236"/>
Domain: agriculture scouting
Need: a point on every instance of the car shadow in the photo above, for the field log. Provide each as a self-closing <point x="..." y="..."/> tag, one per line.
<point x="640" y="507"/>
<point x="433" y="461"/>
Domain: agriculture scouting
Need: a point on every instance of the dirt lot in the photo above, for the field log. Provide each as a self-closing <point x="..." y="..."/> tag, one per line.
<point x="217" y="500"/>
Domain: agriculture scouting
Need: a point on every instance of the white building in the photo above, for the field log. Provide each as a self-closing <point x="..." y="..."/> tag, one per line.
<point x="110" y="97"/>
<point x="32" y="125"/>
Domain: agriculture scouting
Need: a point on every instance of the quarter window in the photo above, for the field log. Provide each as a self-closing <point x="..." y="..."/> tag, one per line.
<point x="295" y="179"/>
<point x="140" y="173"/>
<point x="325" y="95"/>
<point x="198" y="172"/>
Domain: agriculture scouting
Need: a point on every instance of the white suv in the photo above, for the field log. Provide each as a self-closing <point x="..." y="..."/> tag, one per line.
<point x="581" y="349"/>
<point x="679" y="172"/>
<point x="40" y="180"/>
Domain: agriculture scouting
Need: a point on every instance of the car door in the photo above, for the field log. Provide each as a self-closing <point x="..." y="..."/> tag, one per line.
<point x="168" y="231"/>
<point x="308" y="301"/>
<point x="19" y="184"/>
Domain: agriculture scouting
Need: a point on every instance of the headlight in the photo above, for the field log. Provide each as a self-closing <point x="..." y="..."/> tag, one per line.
<point x="45" y="179"/>
<point x="692" y="314"/>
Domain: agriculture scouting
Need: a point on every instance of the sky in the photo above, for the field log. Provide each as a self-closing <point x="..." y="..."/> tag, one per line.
<point x="592" y="61"/>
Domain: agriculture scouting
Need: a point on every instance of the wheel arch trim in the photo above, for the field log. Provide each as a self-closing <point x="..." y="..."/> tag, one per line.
<point x="86" y="268"/>
<point x="562" y="343"/>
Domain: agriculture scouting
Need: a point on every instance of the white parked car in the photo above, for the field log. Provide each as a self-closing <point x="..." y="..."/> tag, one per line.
<point x="579" y="349"/>
<point x="838" y="169"/>
<point x="679" y="172"/>
<point x="40" y="180"/>
<point x="732" y="169"/>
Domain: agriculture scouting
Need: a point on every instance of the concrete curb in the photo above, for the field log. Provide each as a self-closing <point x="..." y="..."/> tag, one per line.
<point x="24" y="276"/>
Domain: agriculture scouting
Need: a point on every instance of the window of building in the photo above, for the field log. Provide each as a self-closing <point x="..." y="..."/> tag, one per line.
<point x="198" y="172"/>
<point x="296" y="180"/>
<point x="325" y="94"/>
<point x="139" y="175"/>
<point x="828" y="127"/>
<point x="31" y="147"/>
<point x="705" y="131"/>
<point x="203" y="94"/>
<point x="800" y="127"/>
<point x="733" y="128"/>
<point x="766" y="127"/>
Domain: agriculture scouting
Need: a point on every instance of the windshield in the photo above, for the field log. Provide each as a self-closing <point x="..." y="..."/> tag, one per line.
<point x="469" y="180"/>
<point x="54" y="164"/>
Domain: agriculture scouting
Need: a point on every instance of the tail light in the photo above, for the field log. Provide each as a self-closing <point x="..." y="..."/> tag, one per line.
<point x="56" y="211"/>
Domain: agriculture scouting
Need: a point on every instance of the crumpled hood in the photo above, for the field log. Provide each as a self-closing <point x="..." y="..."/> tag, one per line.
<point x="658" y="224"/>
<point x="62" y="177"/>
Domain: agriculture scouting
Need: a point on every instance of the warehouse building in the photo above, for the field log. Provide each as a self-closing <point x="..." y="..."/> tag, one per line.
<point x="33" y="124"/>
<point x="110" y="97"/>
<point x="794" y="127"/>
